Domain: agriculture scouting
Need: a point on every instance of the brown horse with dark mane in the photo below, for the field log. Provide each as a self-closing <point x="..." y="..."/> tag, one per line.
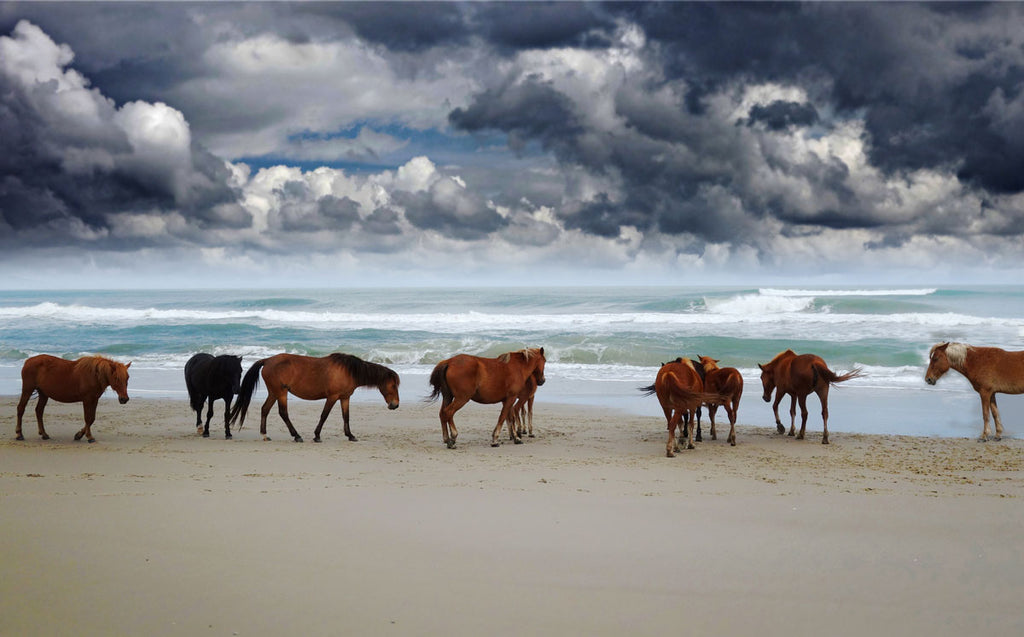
<point x="727" y="382"/>
<point x="799" y="376"/>
<point x="334" y="377"/>
<point x="680" y="391"/>
<point x="989" y="370"/>
<point x="464" y="377"/>
<point x="83" y="380"/>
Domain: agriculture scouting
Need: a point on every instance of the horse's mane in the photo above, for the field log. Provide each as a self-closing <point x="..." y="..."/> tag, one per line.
<point x="780" y="355"/>
<point x="364" y="372"/>
<point x="527" y="354"/>
<point x="100" y="366"/>
<point x="957" y="354"/>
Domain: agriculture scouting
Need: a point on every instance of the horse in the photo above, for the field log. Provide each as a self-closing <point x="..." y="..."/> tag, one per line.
<point x="213" y="378"/>
<point x="680" y="391"/>
<point x="989" y="370"/>
<point x="463" y="377"/>
<point x="334" y="377"/>
<point x="83" y="380"/>
<point x="799" y="376"/>
<point x="522" y="409"/>
<point x="728" y="382"/>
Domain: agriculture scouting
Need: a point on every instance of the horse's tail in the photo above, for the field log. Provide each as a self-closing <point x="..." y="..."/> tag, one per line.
<point x="439" y="381"/>
<point x="245" y="391"/>
<point x="647" y="390"/>
<point x="826" y="374"/>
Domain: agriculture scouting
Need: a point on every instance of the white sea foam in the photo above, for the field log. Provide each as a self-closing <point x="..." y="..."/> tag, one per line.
<point x="864" y="292"/>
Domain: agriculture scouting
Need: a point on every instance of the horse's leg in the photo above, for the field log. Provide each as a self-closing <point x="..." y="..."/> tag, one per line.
<point x="344" y="416"/>
<point x="803" y="417"/>
<point x="328" y="406"/>
<point x="792" y="415"/>
<point x="689" y="436"/>
<point x="699" y="437"/>
<point x="986" y="406"/>
<point x="671" y="445"/>
<point x="995" y="416"/>
<point x="529" y="411"/>
<point x="282" y="410"/>
<point x="775" y="410"/>
<point x="730" y="410"/>
<point x="227" y="417"/>
<point x="712" y="410"/>
<point x="89" y="407"/>
<point x="264" y="412"/>
<point x="823" y="397"/>
<point x="506" y="407"/>
<point x="26" y="394"/>
<point x="448" y="429"/>
<point x="209" y="416"/>
<point x="40" y="406"/>
<point x="199" y="418"/>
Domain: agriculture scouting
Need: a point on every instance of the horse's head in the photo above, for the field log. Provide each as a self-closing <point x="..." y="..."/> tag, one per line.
<point x="389" y="389"/>
<point x="938" y="363"/>
<point x="538" y="370"/>
<point x="708" y="363"/>
<point x="767" y="380"/>
<point x="117" y="376"/>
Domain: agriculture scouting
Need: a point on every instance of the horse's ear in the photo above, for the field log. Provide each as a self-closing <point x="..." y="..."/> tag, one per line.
<point x="128" y="365"/>
<point x="760" y="367"/>
<point x="542" y="351"/>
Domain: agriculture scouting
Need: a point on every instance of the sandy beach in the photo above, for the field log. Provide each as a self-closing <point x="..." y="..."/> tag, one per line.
<point x="586" y="529"/>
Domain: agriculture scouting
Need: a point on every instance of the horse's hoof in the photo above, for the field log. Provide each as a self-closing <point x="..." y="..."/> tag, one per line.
<point x="450" y="444"/>
<point x="495" y="444"/>
<point x="298" y="438"/>
<point x="45" y="436"/>
<point x="824" y="441"/>
<point x="780" y="429"/>
<point x="78" y="436"/>
<point x="206" y="434"/>
<point x="530" y="436"/>
<point x="669" y="454"/>
<point x="317" y="439"/>
<point x="352" y="439"/>
<point x="998" y="438"/>
<point x="983" y="439"/>
<point x="19" y="437"/>
<point x="518" y="441"/>
<point x="227" y="436"/>
<point x="690" y="446"/>
<point x="199" y="430"/>
<point x="92" y="440"/>
<point x="733" y="443"/>
<point x="714" y="437"/>
<point x="266" y="438"/>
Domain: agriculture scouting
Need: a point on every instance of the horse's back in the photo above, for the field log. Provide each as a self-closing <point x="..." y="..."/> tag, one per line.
<point x="1002" y="370"/>
<point x="724" y="380"/>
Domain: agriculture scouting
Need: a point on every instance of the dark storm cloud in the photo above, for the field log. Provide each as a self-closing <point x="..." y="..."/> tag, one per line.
<point x="781" y="115"/>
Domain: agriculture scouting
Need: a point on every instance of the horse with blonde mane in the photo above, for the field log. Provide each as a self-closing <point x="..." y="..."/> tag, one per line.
<point x="463" y="377"/>
<point x="799" y="376"/>
<point x="83" y="380"/>
<point x="988" y="369"/>
<point x="728" y="382"/>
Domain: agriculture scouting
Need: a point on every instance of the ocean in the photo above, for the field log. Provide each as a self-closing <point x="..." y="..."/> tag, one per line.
<point x="601" y="344"/>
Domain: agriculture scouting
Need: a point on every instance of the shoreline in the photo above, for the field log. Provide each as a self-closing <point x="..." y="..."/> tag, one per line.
<point x="585" y="529"/>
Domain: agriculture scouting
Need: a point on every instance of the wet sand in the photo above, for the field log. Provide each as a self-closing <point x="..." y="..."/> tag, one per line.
<point x="586" y="529"/>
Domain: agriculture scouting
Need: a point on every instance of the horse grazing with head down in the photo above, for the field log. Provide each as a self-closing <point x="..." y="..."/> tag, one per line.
<point x="727" y="382"/>
<point x="464" y="377"/>
<point x="83" y="380"/>
<point x="680" y="390"/>
<point x="989" y="370"/>
<point x="799" y="376"/>
<point x="334" y="377"/>
<point x="213" y="378"/>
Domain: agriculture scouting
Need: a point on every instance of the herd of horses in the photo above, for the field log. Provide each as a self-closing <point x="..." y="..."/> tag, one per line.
<point x="683" y="387"/>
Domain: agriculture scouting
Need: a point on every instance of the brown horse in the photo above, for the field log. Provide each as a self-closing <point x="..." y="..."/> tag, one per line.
<point x="334" y="377"/>
<point x="680" y="391"/>
<point x="799" y="376"/>
<point x="728" y="382"/>
<point x="463" y="378"/>
<point x="989" y="370"/>
<point x="522" y="409"/>
<point x="83" y="380"/>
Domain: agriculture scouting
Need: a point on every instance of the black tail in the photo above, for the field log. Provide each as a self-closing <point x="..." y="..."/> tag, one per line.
<point x="245" y="392"/>
<point x="439" y="381"/>
<point x="647" y="390"/>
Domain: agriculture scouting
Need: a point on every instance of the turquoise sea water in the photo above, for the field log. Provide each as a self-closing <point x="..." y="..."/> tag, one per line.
<point x="601" y="343"/>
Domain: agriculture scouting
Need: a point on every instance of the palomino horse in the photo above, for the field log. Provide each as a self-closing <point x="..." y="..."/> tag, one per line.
<point x="213" y="378"/>
<point x="799" y="376"/>
<point x="463" y="378"/>
<point x="83" y="380"/>
<point x="989" y="370"/>
<point x="680" y="391"/>
<point x="334" y="377"/>
<point x="727" y="382"/>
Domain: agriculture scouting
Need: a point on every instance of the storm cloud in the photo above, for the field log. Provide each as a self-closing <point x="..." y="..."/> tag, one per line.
<point x="679" y="139"/>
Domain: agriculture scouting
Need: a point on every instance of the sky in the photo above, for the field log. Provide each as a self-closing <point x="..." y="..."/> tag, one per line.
<point x="523" y="143"/>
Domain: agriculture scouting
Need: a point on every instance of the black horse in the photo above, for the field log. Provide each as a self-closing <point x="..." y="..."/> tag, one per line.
<point x="212" y="378"/>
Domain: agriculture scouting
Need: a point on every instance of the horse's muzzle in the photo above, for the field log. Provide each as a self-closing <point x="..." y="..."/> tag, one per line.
<point x="541" y="382"/>
<point x="393" y="405"/>
<point x="929" y="380"/>
<point x="122" y="399"/>
<point x="767" y="398"/>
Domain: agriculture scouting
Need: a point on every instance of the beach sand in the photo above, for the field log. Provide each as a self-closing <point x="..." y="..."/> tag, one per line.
<point x="586" y="529"/>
